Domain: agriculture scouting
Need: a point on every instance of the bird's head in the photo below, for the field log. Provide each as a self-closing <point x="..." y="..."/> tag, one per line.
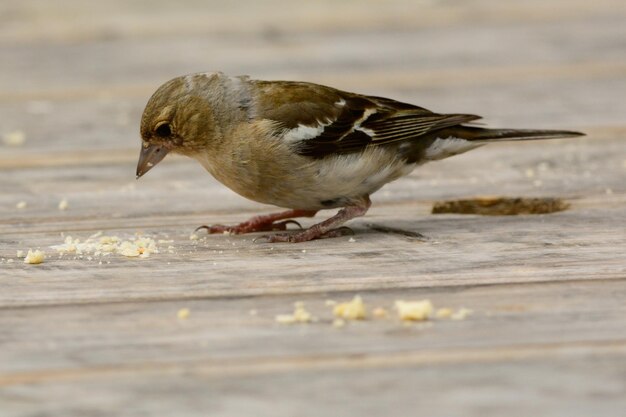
<point x="178" y="118"/>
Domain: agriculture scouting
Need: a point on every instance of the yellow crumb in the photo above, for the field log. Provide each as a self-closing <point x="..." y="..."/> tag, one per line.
<point x="21" y="205"/>
<point x="34" y="257"/>
<point x="63" y="204"/>
<point x="183" y="313"/>
<point x="299" y="315"/>
<point x="193" y="236"/>
<point x="461" y="314"/>
<point x="444" y="313"/>
<point x="351" y="310"/>
<point x="380" y="312"/>
<point x="14" y="138"/>
<point x="20" y="254"/>
<point x="414" y="310"/>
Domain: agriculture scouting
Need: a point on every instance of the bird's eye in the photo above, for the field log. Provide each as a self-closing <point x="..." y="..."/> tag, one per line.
<point x="163" y="130"/>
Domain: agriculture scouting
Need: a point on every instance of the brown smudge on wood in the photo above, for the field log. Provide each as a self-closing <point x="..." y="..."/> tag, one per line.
<point x="501" y="206"/>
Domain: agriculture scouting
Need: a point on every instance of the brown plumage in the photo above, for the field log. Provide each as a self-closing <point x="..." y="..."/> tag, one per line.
<point x="302" y="146"/>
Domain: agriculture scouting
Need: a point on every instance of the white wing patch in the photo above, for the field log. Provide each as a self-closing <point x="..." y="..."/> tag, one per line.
<point x="303" y="132"/>
<point x="445" y="147"/>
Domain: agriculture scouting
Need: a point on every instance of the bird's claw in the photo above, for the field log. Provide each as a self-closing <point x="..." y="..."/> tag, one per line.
<point x="283" y="225"/>
<point x="304" y="236"/>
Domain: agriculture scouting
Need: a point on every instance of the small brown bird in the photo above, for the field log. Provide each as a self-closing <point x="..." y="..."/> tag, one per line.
<point x="302" y="146"/>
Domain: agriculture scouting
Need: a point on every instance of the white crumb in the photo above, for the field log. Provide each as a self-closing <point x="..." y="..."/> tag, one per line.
<point x="21" y="205"/>
<point x="339" y="323"/>
<point x="193" y="236"/>
<point x="352" y="240"/>
<point x="20" y="254"/>
<point x="299" y="315"/>
<point x="380" y="312"/>
<point x="461" y="314"/>
<point x="444" y="313"/>
<point x="63" y="204"/>
<point x="14" y="138"/>
<point x="414" y="310"/>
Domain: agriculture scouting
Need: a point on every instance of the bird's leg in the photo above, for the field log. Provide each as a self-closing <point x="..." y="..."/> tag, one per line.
<point x="327" y="228"/>
<point x="262" y="223"/>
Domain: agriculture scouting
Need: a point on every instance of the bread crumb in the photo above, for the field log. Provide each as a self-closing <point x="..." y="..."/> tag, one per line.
<point x="21" y="205"/>
<point x="339" y="323"/>
<point x="183" y="313"/>
<point x="253" y="312"/>
<point x="461" y="314"/>
<point x="99" y="245"/>
<point x="299" y="315"/>
<point x="351" y="310"/>
<point x="444" y="313"/>
<point x="330" y="303"/>
<point x="14" y="138"/>
<point x="352" y="240"/>
<point x="380" y="312"/>
<point x="34" y="257"/>
<point x="20" y="254"/>
<point x="414" y="310"/>
<point x="193" y="236"/>
<point x="63" y="205"/>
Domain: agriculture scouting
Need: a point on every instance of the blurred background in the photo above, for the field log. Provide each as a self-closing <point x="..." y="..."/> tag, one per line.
<point x="76" y="72"/>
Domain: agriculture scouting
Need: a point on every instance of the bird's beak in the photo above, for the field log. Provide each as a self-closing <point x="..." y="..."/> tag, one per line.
<point x="150" y="156"/>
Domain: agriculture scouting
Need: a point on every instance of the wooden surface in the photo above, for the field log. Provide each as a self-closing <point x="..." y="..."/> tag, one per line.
<point x="548" y="332"/>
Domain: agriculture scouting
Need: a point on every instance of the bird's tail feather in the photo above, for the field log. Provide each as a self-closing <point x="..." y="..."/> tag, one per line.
<point x="459" y="139"/>
<point x="480" y="135"/>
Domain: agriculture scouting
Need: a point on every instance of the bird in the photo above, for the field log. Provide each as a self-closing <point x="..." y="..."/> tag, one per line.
<point x="302" y="146"/>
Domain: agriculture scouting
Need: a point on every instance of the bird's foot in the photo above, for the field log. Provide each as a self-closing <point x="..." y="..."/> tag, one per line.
<point x="263" y="223"/>
<point x="305" y="236"/>
<point x="328" y="228"/>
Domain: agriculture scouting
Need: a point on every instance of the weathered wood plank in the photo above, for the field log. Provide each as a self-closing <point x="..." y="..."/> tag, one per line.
<point x="571" y="385"/>
<point x="41" y="344"/>
<point x="547" y="335"/>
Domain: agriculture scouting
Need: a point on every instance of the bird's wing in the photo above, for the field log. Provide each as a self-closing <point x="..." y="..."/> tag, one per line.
<point x="322" y="121"/>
